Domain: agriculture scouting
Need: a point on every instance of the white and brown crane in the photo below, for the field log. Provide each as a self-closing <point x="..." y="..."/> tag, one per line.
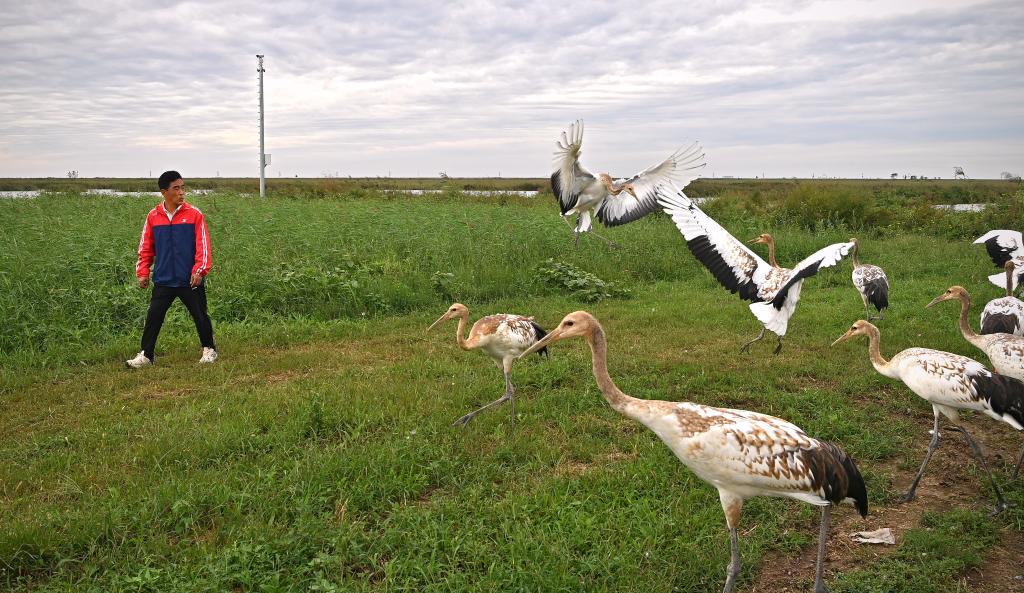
<point x="872" y="284"/>
<point x="614" y="202"/>
<point x="1005" y="245"/>
<point x="1006" y="351"/>
<point x="1006" y="314"/>
<point x="773" y="291"/>
<point x="502" y="337"/>
<point x="950" y="383"/>
<point x="742" y="454"/>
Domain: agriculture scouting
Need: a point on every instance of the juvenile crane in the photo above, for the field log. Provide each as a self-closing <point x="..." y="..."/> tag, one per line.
<point x="742" y="454"/>
<point x="1003" y="246"/>
<point x="1006" y="314"/>
<point x="503" y="337"/>
<point x="1006" y="351"/>
<point x="949" y="382"/>
<point x="586" y="196"/>
<point x="773" y="291"/>
<point x="871" y="283"/>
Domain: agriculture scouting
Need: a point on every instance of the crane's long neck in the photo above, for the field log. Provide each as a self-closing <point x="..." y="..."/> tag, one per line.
<point x="771" y="253"/>
<point x="460" y="331"/>
<point x="615" y="397"/>
<point x="856" y="260"/>
<point x="965" y="326"/>
<point x="1009" y="280"/>
<point x="875" y="354"/>
<point x="609" y="185"/>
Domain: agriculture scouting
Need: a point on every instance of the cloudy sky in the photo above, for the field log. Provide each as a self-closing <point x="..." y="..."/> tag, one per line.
<point x="481" y="88"/>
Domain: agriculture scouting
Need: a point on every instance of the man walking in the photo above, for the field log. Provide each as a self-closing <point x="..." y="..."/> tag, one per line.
<point x="176" y="244"/>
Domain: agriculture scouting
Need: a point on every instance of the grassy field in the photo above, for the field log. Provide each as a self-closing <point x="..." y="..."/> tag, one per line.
<point x="316" y="455"/>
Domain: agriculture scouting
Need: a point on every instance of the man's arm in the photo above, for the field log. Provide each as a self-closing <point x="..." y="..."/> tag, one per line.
<point x="145" y="255"/>
<point x="204" y="256"/>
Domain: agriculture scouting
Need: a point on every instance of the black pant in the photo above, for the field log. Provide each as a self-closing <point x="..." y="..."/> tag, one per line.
<point x="160" y="301"/>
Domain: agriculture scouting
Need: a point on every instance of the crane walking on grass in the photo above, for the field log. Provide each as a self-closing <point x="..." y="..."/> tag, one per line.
<point x="1004" y="315"/>
<point x="871" y="283"/>
<point x="503" y="337"/>
<point x="619" y="201"/>
<point x="1003" y="246"/>
<point x="949" y="382"/>
<point x="773" y="291"/>
<point x="742" y="454"/>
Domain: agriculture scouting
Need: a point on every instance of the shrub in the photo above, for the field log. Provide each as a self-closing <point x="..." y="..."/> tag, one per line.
<point x="581" y="284"/>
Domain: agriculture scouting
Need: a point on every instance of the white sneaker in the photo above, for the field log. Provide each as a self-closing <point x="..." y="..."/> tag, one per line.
<point x="209" y="355"/>
<point x="139" y="361"/>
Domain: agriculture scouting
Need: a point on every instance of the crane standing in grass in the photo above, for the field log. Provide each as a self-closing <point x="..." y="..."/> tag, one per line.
<point x="1006" y="314"/>
<point x="871" y="283"/>
<point x="1006" y="351"/>
<point x="949" y="382"/>
<point x="772" y="290"/>
<point x="503" y="337"/>
<point x="619" y="201"/>
<point x="1003" y="246"/>
<point x="742" y="454"/>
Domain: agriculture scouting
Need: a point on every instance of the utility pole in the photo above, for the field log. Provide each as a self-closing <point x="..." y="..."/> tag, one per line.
<point x="263" y="156"/>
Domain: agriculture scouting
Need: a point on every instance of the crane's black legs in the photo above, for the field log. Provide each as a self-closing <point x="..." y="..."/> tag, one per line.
<point x="1020" y="460"/>
<point x="611" y="244"/>
<point x="746" y="347"/>
<point x="1001" y="504"/>
<point x="934" y="444"/>
<point x="867" y="315"/>
<point x="509" y="395"/>
<point x="577" y="232"/>
<point x="733" y="570"/>
<point x="819" y="570"/>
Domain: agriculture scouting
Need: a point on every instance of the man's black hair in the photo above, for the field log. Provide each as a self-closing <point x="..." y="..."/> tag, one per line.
<point x="167" y="178"/>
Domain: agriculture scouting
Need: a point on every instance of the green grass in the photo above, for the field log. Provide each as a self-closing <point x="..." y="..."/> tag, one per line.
<point x="317" y="453"/>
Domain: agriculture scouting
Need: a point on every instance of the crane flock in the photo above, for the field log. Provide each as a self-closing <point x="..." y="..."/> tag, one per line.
<point x="741" y="453"/>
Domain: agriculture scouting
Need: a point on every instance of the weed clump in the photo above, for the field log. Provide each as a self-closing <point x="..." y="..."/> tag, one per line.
<point x="581" y="284"/>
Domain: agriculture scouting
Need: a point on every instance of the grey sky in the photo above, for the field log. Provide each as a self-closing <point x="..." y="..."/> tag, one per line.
<point x="481" y="88"/>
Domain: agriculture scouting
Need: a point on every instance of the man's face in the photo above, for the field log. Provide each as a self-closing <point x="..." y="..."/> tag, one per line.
<point x="175" y="194"/>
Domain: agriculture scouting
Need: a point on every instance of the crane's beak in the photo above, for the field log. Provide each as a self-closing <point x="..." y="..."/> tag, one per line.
<point x="843" y="337"/>
<point x="554" y="336"/>
<point x="439" y="320"/>
<point x="937" y="299"/>
<point x="754" y="240"/>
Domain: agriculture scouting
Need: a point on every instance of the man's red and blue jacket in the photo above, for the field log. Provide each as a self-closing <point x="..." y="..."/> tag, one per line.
<point x="176" y="246"/>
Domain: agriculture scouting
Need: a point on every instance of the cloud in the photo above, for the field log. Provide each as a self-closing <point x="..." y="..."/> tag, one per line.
<point x="473" y="88"/>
